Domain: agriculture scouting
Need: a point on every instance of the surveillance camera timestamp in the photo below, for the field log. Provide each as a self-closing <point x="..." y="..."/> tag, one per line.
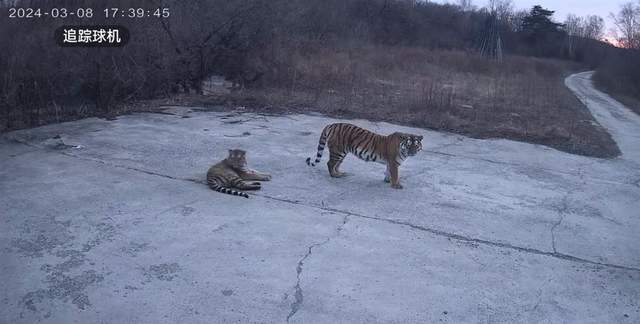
<point x="88" y="13"/>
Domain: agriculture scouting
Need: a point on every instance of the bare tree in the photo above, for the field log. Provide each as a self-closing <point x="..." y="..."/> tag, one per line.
<point x="503" y="9"/>
<point x="627" y="22"/>
<point x="587" y="27"/>
<point x="465" y="5"/>
<point x="515" y="23"/>
<point x="593" y="27"/>
<point x="574" y="25"/>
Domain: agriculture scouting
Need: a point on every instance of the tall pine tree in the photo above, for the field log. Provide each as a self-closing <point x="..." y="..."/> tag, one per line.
<point x="539" y="22"/>
<point x="542" y="33"/>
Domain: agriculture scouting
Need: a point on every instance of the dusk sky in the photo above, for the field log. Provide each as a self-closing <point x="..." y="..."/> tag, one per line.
<point x="601" y="8"/>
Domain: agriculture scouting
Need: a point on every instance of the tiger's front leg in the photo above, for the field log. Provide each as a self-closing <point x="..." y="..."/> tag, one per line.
<point x="255" y="175"/>
<point x="387" y="175"/>
<point x="395" y="177"/>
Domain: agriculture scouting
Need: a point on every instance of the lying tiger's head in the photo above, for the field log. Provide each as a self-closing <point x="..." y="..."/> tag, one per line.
<point x="410" y="144"/>
<point x="237" y="158"/>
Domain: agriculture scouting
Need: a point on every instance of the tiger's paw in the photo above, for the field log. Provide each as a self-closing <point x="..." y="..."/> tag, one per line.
<point x="396" y="186"/>
<point x="341" y="174"/>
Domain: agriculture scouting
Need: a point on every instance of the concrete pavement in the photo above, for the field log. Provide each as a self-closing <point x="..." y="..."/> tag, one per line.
<point x="116" y="226"/>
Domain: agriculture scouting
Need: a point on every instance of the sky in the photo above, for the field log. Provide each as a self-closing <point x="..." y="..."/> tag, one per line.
<point x="562" y="8"/>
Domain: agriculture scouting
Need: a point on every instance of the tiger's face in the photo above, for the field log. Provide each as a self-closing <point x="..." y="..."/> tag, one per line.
<point x="237" y="158"/>
<point x="411" y="144"/>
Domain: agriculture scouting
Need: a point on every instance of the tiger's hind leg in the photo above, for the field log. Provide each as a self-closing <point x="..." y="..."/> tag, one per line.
<point x="336" y="158"/>
<point x="243" y="185"/>
<point x="250" y="186"/>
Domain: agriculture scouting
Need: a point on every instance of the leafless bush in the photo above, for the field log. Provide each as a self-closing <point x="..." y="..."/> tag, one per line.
<point x="619" y="75"/>
<point x="42" y="83"/>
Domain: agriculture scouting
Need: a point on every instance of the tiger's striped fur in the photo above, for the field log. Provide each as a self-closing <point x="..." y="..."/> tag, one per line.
<point x="233" y="172"/>
<point x="391" y="150"/>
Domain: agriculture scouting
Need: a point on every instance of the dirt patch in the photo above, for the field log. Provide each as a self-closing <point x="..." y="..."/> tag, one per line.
<point x="163" y="271"/>
<point x="104" y="232"/>
<point x="62" y="281"/>
<point x="51" y="235"/>
<point x="65" y="288"/>
<point x="133" y="248"/>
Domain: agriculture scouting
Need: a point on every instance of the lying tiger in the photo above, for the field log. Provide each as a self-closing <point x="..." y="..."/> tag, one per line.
<point x="391" y="150"/>
<point x="234" y="172"/>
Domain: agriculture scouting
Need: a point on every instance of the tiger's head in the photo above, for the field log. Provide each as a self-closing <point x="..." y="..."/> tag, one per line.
<point x="237" y="158"/>
<point x="410" y="144"/>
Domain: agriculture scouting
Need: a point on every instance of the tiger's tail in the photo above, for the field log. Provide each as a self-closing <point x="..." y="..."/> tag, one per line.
<point x="217" y="187"/>
<point x="323" y="141"/>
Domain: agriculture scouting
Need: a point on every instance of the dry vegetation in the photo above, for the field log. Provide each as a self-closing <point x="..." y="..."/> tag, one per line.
<point x="619" y="76"/>
<point x="405" y="61"/>
<point x="519" y="98"/>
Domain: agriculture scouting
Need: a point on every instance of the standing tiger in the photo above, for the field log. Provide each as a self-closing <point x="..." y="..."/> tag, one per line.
<point x="232" y="172"/>
<point x="391" y="150"/>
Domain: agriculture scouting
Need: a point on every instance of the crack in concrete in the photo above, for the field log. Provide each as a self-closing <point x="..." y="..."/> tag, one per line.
<point x="539" y="296"/>
<point x="539" y="300"/>
<point x="594" y="179"/>
<point x="12" y="156"/>
<point x="564" y="209"/>
<point x="108" y="163"/>
<point x="561" y="213"/>
<point x="454" y="236"/>
<point x="298" y="294"/>
<point x="463" y="238"/>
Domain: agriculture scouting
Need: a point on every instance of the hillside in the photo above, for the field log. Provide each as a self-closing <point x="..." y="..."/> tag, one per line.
<point x="476" y="71"/>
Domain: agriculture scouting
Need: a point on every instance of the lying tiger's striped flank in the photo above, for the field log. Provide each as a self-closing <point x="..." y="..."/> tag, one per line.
<point x="343" y="139"/>
<point x="234" y="172"/>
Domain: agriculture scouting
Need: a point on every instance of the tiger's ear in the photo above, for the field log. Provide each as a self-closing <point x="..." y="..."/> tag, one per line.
<point x="420" y="137"/>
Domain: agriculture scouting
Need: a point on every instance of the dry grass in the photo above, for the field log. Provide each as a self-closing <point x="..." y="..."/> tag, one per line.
<point x="520" y="98"/>
<point x="619" y="76"/>
<point x="632" y="102"/>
